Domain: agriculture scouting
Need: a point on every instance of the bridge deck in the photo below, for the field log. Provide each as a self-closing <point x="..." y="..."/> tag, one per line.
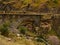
<point x="26" y="13"/>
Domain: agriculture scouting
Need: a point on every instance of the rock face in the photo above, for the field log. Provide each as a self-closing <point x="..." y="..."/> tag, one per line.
<point x="54" y="40"/>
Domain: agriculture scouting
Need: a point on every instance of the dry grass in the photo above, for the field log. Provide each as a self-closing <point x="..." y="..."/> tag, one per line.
<point x="22" y="41"/>
<point x="4" y="41"/>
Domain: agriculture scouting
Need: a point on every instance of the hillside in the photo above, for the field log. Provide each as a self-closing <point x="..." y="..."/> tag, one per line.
<point x="30" y="5"/>
<point x="29" y="22"/>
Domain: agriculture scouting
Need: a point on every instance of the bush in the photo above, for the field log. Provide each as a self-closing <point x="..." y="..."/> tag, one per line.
<point x="55" y="1"/>
<point x="22" y="29"/>
<point x="6" y="24"/>
<point x="4" y="30"/>
<point x="41" y="39"/>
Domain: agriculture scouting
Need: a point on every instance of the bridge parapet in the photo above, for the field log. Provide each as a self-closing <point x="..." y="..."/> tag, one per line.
<point x="28" y="13"/>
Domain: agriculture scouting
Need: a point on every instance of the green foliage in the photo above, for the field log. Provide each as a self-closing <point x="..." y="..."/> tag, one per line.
<point x="7" y="23"/>
<point x="22" y="29"/>
<point x="4" y="29"/>
<point x="55" y="1"/>
<point x="52" y="32"/>
<point x="41" y="39"/>
<point x="25" y="31"/>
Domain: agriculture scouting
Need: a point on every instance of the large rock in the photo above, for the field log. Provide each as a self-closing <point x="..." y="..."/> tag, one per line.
<point x="54" y="40"/>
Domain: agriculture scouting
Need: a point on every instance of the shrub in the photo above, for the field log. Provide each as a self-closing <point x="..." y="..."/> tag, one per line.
<point x="22" y="29"/>
<point x="42" y="39"/>
<point x="4" y="30"/>
<point x="6" y="24"/>
<point x="55" y="1"/>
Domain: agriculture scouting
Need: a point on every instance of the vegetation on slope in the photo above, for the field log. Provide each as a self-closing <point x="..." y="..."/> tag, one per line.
<point x="30" y="4"/>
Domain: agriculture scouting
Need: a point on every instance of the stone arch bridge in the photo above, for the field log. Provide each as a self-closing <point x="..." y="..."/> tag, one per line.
<point x="36" y="19"/>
